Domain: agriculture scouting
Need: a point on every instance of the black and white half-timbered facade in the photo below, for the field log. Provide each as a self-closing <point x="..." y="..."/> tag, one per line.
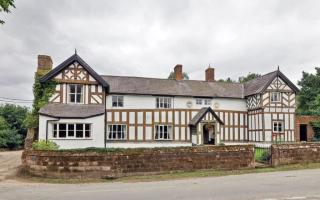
<point x="92" y="110"/>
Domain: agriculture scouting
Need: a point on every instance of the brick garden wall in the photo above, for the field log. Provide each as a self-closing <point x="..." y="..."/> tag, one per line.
<point x="64" y="164"/>
<point x="305" y="119"/>
<point x="284" y="154"/>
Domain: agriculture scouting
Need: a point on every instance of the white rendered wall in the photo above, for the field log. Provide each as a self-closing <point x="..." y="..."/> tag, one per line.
<point x="147" y="144"/>
<point x="149" y="102"/>
<point x="97" y="132"/>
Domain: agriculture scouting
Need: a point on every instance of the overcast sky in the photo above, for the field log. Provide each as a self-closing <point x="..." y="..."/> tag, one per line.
<point x="148" y="38"/>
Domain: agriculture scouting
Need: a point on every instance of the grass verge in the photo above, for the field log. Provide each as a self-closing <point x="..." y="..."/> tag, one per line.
<point x="172" y="175"/>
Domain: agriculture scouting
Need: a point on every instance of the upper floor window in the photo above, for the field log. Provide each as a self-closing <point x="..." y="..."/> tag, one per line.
<point x="71" y="131"/>
<point x="163" y="132"/>
<point x="275" y="96"/>
<point x="207" y="102"/>
<point x="75" y="93"/>
<point x="117" y="101"/>
<point x="117" y="132"/>
<point x="164" y="102"/>
<point x="277" y="127"/>
<point x="199" y="101"/>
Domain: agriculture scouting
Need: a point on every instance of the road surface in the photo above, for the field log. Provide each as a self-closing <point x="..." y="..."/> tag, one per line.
<point x="9" y="163"/>
<point x="302" y="184"/>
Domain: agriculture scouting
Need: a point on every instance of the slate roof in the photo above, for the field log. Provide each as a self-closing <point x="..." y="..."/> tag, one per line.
<point x="202" y="112"/>
<point x="74" y="58"/>
<point x="72" y="110"/>
<point x="191" y="88"/>
<point x="156" y="86"/>
<point x="258" y="85"/>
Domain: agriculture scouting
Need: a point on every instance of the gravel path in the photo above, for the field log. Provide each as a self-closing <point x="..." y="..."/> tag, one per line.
<point x="9" y="163"/>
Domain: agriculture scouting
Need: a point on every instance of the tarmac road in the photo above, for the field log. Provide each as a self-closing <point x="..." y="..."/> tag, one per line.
<point x="300" y="184"/>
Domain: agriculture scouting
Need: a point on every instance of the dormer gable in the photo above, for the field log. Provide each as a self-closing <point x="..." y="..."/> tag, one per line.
<point x="75" y="70"/>
<point x="77" y="83"/>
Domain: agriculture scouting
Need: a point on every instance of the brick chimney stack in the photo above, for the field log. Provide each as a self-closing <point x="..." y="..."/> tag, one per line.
<point x="210" y="74"/>
<point x="44" y="63"/>
<point x="178" y="72"/>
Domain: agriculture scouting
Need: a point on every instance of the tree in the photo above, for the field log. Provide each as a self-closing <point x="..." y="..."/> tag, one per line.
<point x="227" y="80"/>
<point x="184" y="75"/>
<point x="12" y="129"/>
<point x="249" y="77"/>
<point x="15" y="115"/>
<point x="5" y="7"/>
<point x="241" y="79"/>
<point x="309" y="95"/>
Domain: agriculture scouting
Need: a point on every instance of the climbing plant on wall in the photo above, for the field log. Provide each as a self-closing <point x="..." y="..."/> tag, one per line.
<point x="42" y="93"/>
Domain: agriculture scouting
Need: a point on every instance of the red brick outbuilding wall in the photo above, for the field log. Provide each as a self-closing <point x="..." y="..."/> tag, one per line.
<point x="305" y="119"/>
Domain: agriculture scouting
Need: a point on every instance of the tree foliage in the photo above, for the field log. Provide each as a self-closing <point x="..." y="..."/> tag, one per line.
<point x="185" y="76"/>
<point x="309" y="95"/>
<point x="5" y="6"/>
<point x="12" y="128"/>
<point x="241" y="79"/>
<point x="249" y="77"/>
<point x="227" y="80"/>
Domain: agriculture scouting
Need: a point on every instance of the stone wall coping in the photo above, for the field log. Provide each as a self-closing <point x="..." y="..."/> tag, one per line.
<point x="138" y="151"/>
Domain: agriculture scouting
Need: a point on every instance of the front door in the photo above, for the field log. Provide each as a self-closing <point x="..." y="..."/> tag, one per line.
<point x="205" y="135"/>
<point x="303" y="132"/>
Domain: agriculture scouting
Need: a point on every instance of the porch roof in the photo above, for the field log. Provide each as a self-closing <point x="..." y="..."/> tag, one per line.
<point x="202" y="112"/>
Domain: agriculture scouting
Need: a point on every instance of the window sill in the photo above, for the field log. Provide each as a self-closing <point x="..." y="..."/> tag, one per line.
<point x="70" y="138"/>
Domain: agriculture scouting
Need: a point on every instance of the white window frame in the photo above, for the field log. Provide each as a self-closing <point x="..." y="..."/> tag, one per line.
<point x="278" y="94"/>
<point x="276" y="127"/>
<point x="118" y="100"/>
<point x="76" y="93"/>
<point x="164" y="102"/>
<point x="198" y="101"/>
<point x="122" y="131"/>
<point x="56" y="131"/>
<point x="160" y="132"/>
<point x="207" y="102"/>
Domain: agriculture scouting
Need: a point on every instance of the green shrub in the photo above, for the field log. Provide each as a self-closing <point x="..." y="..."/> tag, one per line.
<point x="316" y="128"/>
<point x="10" y="139"/>
<point x="45" y="145"/>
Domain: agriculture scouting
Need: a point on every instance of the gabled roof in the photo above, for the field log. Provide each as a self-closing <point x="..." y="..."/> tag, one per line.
<point x="72" y="110"/>
<point x="157" y="86"/>
<point x="74" y="58"/>
<point x="260" y="84"/>
<point x="202" y="112"/>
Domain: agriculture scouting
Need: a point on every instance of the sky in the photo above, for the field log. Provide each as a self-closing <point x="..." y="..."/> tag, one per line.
<point x="148" y="38"/>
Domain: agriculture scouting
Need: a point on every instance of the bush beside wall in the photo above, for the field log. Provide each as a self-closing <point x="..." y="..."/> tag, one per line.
<point x="73" y="164"/>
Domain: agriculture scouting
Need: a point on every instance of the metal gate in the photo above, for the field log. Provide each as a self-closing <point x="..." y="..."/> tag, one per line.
<point x="262" y="153"/>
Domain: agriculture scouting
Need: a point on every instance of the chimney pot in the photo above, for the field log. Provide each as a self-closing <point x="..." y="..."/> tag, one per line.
<point x="210" y="74"/>
<point x="44" y="63"/>
<point x="178" y="72"/>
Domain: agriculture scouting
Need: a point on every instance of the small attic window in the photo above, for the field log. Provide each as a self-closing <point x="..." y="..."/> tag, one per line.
<point x="275" y="97"/>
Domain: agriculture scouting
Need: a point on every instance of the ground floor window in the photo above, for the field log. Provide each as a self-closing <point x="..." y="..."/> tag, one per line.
<point x="277" y="127"/>
<point x="163" y="132"/>
<point x="117" y="132"/>
<point x="71" y="130"/>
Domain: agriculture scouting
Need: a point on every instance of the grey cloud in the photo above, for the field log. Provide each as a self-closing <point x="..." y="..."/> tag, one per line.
<point x="148" y="37"/>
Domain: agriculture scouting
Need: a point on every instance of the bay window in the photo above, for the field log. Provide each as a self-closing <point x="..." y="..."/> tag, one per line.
<point x="71" y="131"/>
